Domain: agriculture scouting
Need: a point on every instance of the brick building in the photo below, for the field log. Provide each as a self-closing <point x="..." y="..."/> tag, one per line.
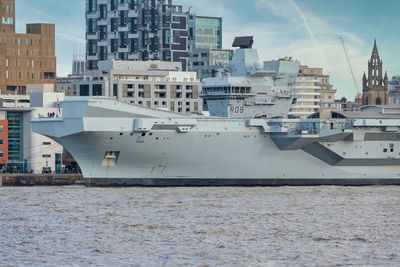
<point x="25" y="58"/>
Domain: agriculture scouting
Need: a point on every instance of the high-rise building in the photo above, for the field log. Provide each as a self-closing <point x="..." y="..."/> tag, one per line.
<point x="135" y="30"/>
<point x="206" y="55"/>
<point x="78" y="60"/>
<point x="78" y="66"/>
<point x="205" y="32"/>
<point x="24" y="58"/>
<point x="314" y="93"/>
<point x="375" y="87"/>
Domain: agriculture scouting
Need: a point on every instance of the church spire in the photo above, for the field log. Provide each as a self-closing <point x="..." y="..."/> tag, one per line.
<point x="375" y="53"/>
<point x="375" y="82"/>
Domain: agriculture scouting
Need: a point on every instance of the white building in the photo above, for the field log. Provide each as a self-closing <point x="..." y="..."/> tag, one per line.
<point x="16" y="101"/>
<point x="394" y="91"/>
<point x="65" y="84"/>
<point x="28" y="151"/>
<point x="154" y="84"/>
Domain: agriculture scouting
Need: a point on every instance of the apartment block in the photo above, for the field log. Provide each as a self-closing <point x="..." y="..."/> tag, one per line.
<point x="153" y="84"/>
<point x="135" y="30"/>
<point x="314" y="92"/>
<point x="25" y="58"/>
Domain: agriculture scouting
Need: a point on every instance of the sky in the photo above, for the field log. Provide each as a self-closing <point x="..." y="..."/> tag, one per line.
<point x="307" y="30"/>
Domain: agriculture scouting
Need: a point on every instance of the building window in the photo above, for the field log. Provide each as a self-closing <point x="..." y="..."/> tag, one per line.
<point x="46" y="143"/>
<point x="97" y="90"/>
<point x="1" y="141"/>
<point x="1" y="154"/>
<point x="46" y="156"/>
<point x="84" y="90"/>
<point x="115" y="90"/>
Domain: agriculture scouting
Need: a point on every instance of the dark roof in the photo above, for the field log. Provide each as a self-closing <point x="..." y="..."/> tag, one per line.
<point x="243" y="42"/>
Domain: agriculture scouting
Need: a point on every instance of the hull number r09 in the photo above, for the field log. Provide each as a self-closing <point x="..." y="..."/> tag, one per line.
<point x="236" y="109"/>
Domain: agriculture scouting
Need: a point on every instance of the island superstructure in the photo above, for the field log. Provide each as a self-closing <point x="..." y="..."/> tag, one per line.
<point x="248" y="141"/>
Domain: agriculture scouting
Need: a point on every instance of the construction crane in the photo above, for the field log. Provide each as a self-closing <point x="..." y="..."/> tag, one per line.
<point x="348" y="62"/>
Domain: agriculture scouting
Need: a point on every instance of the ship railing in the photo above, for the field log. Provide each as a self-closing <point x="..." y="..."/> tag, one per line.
<point x="49" y="116"/>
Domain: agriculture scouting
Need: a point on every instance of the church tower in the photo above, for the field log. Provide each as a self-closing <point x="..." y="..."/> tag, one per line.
<point x="375" y="86"/>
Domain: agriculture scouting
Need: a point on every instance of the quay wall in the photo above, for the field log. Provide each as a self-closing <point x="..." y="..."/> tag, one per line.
<point x="41" y="179"/>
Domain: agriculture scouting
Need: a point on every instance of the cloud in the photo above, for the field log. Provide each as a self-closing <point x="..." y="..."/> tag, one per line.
<point x="319" y="46"/>
<point x="307" y="26"/>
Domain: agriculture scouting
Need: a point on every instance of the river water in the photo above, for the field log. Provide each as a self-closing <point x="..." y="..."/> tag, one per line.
<point x="223" y="226"/>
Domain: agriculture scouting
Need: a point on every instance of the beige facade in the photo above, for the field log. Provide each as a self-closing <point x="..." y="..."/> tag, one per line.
<point x="314" y="92"/>
<point x="25" y="58"/>
<point x="153" y="84"/>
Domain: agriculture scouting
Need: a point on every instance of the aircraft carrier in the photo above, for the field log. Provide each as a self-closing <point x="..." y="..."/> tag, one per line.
<point x="248" y="140"/>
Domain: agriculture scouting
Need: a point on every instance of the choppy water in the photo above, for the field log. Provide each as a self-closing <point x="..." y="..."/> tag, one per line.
<point x="284" y="226"/>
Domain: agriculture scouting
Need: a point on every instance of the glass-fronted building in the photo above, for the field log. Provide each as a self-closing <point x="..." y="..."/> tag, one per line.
<point x="15" y="141"/>
<point x="206" y="62"/>
<point x="206" y="55"/>
<point x="205" y="32"/>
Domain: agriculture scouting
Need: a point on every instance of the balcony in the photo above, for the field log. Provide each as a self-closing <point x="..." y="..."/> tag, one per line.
<point x="307" y="94"/>
<point x="308" y="100"/>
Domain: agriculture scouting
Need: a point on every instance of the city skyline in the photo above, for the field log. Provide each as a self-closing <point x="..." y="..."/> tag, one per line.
<point x="307" y="30"/>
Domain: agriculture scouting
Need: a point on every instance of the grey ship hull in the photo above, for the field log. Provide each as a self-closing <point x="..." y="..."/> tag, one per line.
<point x="157" y="148"/>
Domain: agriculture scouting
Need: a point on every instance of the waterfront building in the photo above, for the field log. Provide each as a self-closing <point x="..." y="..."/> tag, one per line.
<point x="346" y="105"/>
<point x="66" y="84"/>
<point x="14" y="101"/>
<point x="24" y="58"/>
<point x="155" y="84"/>
<point x="205" y="62"/>
<point x="314" y="92"/>
<point x="205" y="32"/>
<point x="21" y="150"/>
<point x="375" y="86"/>
<point x="206" y="55"/>
<point x="135" y="30"/>
<point x="394" y="91"/>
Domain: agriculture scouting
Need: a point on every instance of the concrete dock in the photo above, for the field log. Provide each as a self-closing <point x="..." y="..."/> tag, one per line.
<point x="41" y="179"/>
